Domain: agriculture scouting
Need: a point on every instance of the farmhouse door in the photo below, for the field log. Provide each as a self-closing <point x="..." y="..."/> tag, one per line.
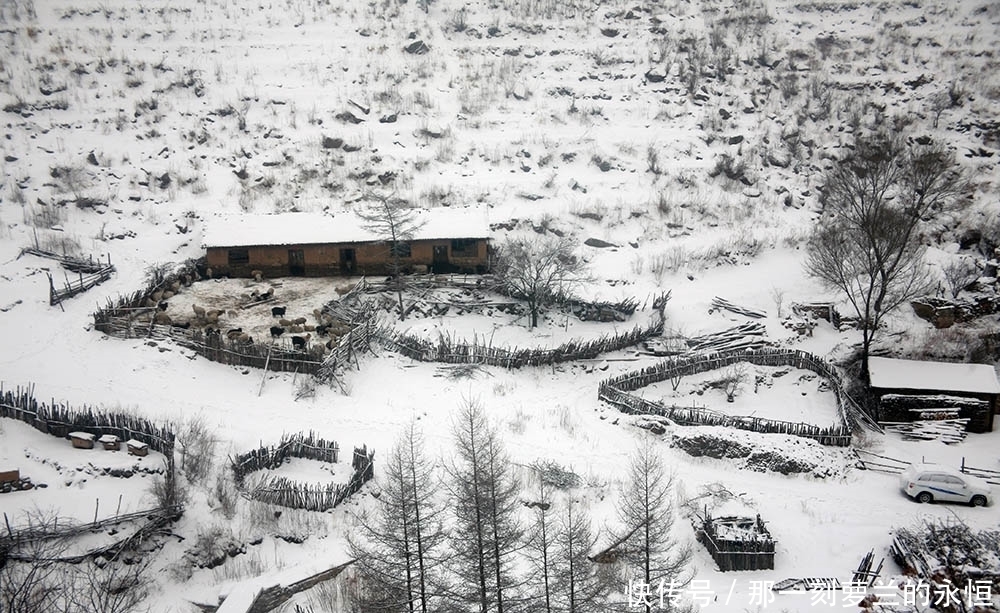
<point x="296" y="262"/>
<point x="348" y="262"/>
<point x="440" y="258"/>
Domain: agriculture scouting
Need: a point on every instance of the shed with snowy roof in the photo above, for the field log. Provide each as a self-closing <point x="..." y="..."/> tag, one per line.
<point x="315" y="244"/>
<point x="911" y="388"/>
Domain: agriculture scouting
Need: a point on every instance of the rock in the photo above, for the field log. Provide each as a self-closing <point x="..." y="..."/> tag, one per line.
<point x="723" y="113"/>
<point x="970" y="238"/>
<point x="92" y="159"/>
<point x="609" y="32"/>
<point x="781" y="159"/>
<point x="348" y="117"/>
<point x="598" y="243"/>
<point x="735" y="140"/>
<point x="388" y="118"/>
<point x="655" y="75"/>
<point x="332" y="143"/>
<point x="417" y="47"/>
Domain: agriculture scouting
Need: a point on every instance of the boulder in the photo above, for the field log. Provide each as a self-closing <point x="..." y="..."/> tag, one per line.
<point x="417" y="47"/>
<point x="598" y="243"/>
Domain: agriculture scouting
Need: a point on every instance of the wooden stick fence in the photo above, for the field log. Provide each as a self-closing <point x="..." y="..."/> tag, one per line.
<point x="54" y="531"/>
<point x="615" y="391"/>
<point x="216" y="347"/>
<point x="73" y="264"/>
<point x="285" y="492"/>
<point x="60" y="419"/>
<point x="78" y="286"/>
<point x="299" y="445"/>
<point x="449" y="351"/>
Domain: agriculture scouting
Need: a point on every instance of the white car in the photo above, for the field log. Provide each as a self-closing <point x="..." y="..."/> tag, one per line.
<point x="933" y="482"/>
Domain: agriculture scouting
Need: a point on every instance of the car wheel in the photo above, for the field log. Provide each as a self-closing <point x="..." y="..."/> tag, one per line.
<point x="978" y="501"/>
<point x="924" y="497"/>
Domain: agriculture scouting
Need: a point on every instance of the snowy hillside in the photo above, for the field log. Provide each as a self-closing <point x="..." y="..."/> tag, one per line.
<point x="690" y="138"/>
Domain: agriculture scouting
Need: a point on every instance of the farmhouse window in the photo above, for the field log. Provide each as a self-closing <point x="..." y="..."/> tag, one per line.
<point x="239" y="256"/>
<point x="402" y="250"/>
<point x="465" y="247"/>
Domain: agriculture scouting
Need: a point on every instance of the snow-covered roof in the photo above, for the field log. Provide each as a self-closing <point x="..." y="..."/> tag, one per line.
<point x="889" y="373"/>
<point x="317" y="228"/>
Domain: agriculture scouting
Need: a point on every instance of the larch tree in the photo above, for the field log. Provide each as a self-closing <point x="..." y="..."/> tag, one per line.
<point x="867" y="245"/>
<point x="395" y="221"/>
<point x="541" y="546"/>
<point x="578" y="586"/>
<point x="645" y="510"/>
<point x="398" y="549"/>
<point x="487" y="532"/>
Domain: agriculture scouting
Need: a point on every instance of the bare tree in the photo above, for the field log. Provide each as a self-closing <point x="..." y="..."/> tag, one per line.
<point x="733" y="379"/>
<point x="867" y="245"/>
<point x="398" y="549"/>
<point x="487" y="532"/>
<point x="31" y="577"/>
<point x="646" y="513"/>
<point x="110" y="586"/>
<point x="959" y="274"/>
<point x="394" y="220"/>
<point x="538" y="271"/>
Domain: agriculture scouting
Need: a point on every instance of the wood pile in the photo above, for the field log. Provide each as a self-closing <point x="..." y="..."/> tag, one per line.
<point x="949" y="431"/>
<point x="745" y="336"/>
<point x="722" y="303"/>
<point x="737" y="543"/>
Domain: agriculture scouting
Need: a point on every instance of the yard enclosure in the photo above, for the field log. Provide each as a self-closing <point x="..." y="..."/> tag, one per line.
<point x="616" y="390"/>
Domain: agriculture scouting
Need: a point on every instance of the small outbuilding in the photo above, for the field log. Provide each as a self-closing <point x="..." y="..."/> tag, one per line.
<point x="110" y="442"/>
<point x="137" y="448"/>
<point x="913" y="389"/>
<point x="82" y="440"/>
<point x="317" y="245"/>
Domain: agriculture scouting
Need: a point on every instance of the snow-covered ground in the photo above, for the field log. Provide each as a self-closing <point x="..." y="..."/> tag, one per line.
<point x="165" y="114"/>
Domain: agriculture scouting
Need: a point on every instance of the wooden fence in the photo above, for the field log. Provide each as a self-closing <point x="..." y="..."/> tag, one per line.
<point x="156" y="518"/>
<point x="450" y="351"/>
<point x="755" y="551"/>
<point x="60" y="419"/>
<point x="285" y="492"/>
<point x="299" y="445"/>
<point x="78" y="286"/>
<point x="615" y="391"/>
<point x="90" y="273"/>
<point x="74" y="264"/>
<point x="363" y="331"/>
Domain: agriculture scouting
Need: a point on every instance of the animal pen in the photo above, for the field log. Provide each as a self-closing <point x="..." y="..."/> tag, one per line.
<point x="121" y="318"/>
<point x="285" y="492"/>
<point x="737" y="543"/>
<point x="615" y="391"/>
